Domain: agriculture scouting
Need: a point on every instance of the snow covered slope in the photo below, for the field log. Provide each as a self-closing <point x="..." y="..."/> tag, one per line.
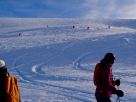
<point x="56" y="63"/>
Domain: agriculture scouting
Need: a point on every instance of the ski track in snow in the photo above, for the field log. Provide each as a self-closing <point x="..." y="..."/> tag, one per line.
<point x="65" y="91"/>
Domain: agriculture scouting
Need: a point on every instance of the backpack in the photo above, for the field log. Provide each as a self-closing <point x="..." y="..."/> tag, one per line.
<point x="96" y="78"/>
<point x="12" y="90"/>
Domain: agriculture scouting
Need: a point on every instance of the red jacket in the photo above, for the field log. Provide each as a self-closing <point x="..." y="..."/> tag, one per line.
<point x="106" y="85"/>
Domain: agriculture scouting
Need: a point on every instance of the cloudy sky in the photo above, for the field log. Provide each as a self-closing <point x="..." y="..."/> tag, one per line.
<point x="120" y="9"/>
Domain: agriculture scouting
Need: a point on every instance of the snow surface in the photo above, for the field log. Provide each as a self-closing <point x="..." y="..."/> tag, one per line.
<point x="56" y="63"/>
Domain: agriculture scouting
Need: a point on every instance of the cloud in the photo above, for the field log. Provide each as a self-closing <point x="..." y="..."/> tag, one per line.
<point x="65" y="9"/>
<point x="127" y="11"/>
<point x="110" y="9"/>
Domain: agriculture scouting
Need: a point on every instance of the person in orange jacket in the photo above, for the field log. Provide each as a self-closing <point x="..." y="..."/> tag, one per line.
<point x="6" y="82"/>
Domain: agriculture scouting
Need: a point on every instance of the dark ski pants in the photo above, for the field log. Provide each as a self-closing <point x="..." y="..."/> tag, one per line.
<point x="103" y="99"/>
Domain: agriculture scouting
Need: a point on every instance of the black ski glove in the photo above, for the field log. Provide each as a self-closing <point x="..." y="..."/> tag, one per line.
<point x="114" y="91"/>
<point x="117" y="82"/>
<point x="120" y="93"/>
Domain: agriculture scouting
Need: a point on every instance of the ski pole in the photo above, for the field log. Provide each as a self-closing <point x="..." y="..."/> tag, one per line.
<point x="118" y="98"/>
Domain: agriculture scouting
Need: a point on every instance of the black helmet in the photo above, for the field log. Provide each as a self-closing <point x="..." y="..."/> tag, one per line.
<point x="110" y="57"/>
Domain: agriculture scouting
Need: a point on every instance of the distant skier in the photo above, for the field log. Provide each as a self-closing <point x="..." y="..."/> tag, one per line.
<point x="105" y="85"/>
<point x="87" y="28"/>
<point x="19" y="34"/>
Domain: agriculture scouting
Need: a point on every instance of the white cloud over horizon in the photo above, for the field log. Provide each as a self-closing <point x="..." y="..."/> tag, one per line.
<point x="68" y="9"/>
<point x="111" y="9"/>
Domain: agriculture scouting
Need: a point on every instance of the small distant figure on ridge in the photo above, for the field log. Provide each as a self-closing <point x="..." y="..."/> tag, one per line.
<point x="109" y="27"/>
<point x="19" y="34"/>
<point x="73" y="26"/>
<point x="47" y="26"/>
<point x="87" y="28"/>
